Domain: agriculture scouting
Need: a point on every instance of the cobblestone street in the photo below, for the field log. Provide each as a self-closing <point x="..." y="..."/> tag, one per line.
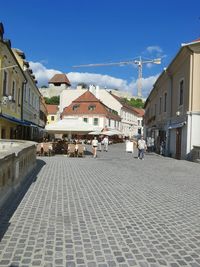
<point x="114" y="210"/>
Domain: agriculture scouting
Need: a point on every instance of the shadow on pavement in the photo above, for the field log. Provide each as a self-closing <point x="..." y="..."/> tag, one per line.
<point x="7" y="211"/>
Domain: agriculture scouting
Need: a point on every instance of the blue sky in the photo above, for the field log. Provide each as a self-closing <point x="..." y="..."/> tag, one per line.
<point x="55" y="35"/>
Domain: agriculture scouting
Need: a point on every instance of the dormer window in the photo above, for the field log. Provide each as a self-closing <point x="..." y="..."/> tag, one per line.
<point x="91" y="107"/>
<point x="75" y="107"/>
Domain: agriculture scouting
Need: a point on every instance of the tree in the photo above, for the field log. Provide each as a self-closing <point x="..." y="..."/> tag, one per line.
<point x="54" y="100"/>
<point x="136" y="103"/>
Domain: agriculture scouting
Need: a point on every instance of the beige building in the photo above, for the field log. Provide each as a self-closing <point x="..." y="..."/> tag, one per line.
<point x="172" y="110"/>
<point x="52" y="113"/>
<point x="31" y="99"/>
<point x="12" y="80"/>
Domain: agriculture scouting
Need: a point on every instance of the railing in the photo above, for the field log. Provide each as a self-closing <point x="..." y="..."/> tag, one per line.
<point x="17" y="160"/>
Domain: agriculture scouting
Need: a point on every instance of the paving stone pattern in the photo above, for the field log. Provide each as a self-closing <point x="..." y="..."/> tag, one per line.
<point x="114" y="210"/>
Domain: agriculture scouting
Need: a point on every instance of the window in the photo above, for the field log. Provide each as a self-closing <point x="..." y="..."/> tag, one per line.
<point x="5" y="80"/>
<point x="181" y="93"/>
<point x="75" y="107"/>
<point x="24" y="88"/>
<point x="52" y="118"/>
<point x="160" y="108"/>
<point x="13" y="91"/>
<point x="85" y="119"/>
<point x="19" y="97"/>
<point x="109" y="122"/>
<point x="91" y="107"/>
<point x="165" y="102"/>
<point x="29" y="95"/>
<point x="96" y="121"/>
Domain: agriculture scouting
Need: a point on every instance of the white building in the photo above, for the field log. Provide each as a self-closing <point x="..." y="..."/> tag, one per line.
<point x="130" y="117"/>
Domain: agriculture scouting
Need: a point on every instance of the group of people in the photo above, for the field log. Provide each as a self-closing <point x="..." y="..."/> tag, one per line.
<point x="98" y="144"/>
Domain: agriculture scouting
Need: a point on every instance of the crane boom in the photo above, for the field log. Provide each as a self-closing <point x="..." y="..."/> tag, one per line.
<point x="138" y="62"/>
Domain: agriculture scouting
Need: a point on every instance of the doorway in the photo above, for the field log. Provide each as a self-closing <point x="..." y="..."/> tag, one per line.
<point x="178" y="143"/>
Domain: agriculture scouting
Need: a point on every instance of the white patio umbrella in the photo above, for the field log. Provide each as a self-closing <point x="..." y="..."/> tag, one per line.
<point x="71" y="125"/>
<point x="95" y="133"/>
<point x="112" y="132"/>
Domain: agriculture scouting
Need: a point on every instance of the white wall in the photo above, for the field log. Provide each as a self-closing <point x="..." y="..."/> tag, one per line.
<point x="69" y="95"/>
<point x="195" y="125"/>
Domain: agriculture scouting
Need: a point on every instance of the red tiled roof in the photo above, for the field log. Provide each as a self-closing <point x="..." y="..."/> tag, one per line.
<point x="87" y="97"/>
<point x="52" y="109"/>
<point x="140" y="111"/>
<point x="84" y="101"/>
<point x="60" y="78"/>
<point x="196" y="40"/>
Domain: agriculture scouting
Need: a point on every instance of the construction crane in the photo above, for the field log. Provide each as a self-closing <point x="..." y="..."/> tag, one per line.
<point x="138" y="62"/>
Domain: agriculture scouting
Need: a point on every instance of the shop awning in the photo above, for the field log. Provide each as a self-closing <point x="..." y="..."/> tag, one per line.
<point x="177" y="125"/>
<point x="15" y="120"/>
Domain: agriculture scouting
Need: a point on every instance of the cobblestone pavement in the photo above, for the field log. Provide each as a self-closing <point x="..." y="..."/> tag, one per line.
<point x="114" y="210"/>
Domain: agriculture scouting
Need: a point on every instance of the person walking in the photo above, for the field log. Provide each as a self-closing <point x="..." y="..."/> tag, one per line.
<point x="94" y="147"/>
<point x="105" y="143"/>
<point x="141" y="147"/>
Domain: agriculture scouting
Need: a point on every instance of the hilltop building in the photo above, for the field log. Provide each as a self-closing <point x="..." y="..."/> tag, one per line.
<point x="57" y="84"/>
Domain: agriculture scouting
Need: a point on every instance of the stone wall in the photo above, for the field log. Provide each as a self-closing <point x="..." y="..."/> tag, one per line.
<point x="17" y="160"/>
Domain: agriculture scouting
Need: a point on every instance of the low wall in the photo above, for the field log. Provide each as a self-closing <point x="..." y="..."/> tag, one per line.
<point x="17" y="160"/>
<point x="196" y="154"/>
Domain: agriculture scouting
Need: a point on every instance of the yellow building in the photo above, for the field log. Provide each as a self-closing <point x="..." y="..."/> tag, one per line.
<point x="52" y="113"/>
<point x="12" y="80"/>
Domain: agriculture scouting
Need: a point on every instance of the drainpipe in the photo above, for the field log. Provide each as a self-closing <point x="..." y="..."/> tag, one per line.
<point x="189" y="115"/>
<point x="170" y="113"/>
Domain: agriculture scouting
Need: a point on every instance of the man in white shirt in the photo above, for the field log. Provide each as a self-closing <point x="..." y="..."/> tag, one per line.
<point x="105" y="143"/>
<point x="141" y="147"/>
<point x="94" y="147"/>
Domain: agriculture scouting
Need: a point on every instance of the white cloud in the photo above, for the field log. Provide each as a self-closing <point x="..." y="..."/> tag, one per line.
<point x="97" y="79"/>
<point x="154" y="48"/>
<point x="43" y="75"/>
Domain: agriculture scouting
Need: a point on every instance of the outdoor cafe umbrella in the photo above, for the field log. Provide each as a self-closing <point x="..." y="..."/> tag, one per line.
<point x="95" y="133"/>
<point x="111" y="132"/>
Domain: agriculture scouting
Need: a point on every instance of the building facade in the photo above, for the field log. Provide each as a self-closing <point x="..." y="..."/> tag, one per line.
<point x="30" y="99"/>
<point x="172" y="110"/>
<point x="52" y="113"/>
<point x="12" y="81"/>
<point x="91" y="110"/>
<point x="130" y="116"/>
<point x="22" y="111"/>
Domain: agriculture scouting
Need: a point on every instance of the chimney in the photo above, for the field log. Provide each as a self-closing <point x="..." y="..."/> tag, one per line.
<point x="92" y="89"/>
<point x="97" y="92"/>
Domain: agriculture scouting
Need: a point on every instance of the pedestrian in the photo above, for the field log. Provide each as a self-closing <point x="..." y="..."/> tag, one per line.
<point x="105" y="143"/>
<point x="149" y="144"/>
<point x="94" y="147"/>
<point x="141" y="147"/>
<point x="99" y="144"/>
